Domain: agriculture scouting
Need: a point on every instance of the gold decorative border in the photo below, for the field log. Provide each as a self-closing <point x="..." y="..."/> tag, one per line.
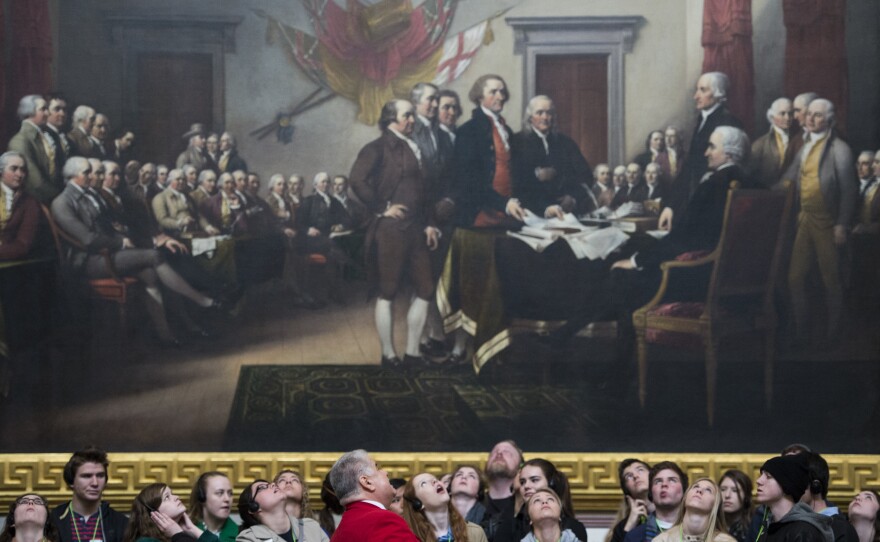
<point x="593" y="476"/>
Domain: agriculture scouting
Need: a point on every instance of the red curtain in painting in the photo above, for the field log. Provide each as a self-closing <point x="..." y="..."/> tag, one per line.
<point x="815" y="50"/>
<point x="727" y="47"/>
<point x="30" y="42"/>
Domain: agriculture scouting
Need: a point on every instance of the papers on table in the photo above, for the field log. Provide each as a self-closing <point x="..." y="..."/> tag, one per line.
<point x="658" y="234"/>
<point x="335" y="234"/>
<point x="206" y="245"/>
<point x="585" y="241"/>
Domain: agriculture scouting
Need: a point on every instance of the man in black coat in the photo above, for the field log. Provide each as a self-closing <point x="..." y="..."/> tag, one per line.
<point x="709" y="98"/>
<point x="482" y="186"/>
<point x="85" y="516"/>
<point x="783" y="481"/>
<point x="550" y="175"/>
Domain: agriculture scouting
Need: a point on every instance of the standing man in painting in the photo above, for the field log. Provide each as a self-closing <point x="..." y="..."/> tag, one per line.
<point x="85" y="517"/>
<point x="709" y="98"/>
<point x="388" y="177"/>
<point x="550" y="175"/>
<point x="80" y="144"/>
<point x="36" y="147"/>
<point x="827" y="192"/>
<point x="773" y="152"/>
<point x="195" y="151"/>
<point x="482" y="185"/>
<point x="363" y="489"/>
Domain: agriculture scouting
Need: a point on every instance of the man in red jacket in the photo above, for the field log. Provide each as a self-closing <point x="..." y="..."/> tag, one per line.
<point x="363" y="488"/>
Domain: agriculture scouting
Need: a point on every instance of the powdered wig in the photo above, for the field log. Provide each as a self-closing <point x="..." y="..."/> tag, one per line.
<point x="719" y="83"/>
<point x="204" y="175"/>
<point x="74" y="166"/>
<point x="27" y="106"/>
<point x="530" y="110"/>
<point x="830" y="115"/>
<point x="81" y="113"/>
<point x="415" y="95"/>
<point x="806" y="98"/>
<point x="476" y="93"/>
<point x="4" y="159"/>
<point x="774" y="108"/>
<point x="275" y="180"/>
<point x="735" y="142"/>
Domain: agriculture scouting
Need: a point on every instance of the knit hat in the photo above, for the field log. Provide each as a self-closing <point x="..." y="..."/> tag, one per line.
<point x="791" y="472"/>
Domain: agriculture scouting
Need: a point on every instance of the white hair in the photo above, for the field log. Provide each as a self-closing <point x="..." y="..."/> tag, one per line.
<point x="829" y="109"/>
<point x="530" y="110"/>
<point x="719" y="83"/>
<point x="805" y="98"/>
<point x="73" y="167"/>
<point x="81" y="113"/>
<point x="320" y="177"/>
<point x="203" y="176"/>
<point x="735" y="143"/>
<point x="275" y="180"/>
<point x="346" y="473"/>
<point x="620" y="170"/>
<point x="774" y="108"/>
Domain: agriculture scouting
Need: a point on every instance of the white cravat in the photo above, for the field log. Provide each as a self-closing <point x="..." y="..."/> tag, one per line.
<point x="705" y="114"/>
<point x="498" y="125"/>
<point x="410" y="142"/>
<point x="427" y="124"/>
<point x="543" y="137"/>
<point x="448" y="131"/>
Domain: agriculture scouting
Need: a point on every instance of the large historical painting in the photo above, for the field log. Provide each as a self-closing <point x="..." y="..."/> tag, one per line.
<point x="301" y="83"/>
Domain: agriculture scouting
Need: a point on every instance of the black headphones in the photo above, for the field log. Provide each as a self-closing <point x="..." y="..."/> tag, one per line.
<point x="200" y="488"/>
<point x="816" y="487"/>
<point x="67" y="474"/>
<point x="416" y="503"/>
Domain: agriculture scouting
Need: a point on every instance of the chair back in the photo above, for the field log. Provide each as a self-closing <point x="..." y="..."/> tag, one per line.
<point x="749" y="251"/>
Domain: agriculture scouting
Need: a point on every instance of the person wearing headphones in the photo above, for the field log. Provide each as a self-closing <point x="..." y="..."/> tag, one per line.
<point x="468" y="489"/>
<point x="158" y="515"/>
<point x="666" y="481"/>
<point x="86" y="517"/>
<point x="210" y="504"/>
<point x="263" y="510"/>
<point x="782" y="483"/>
<point x="816" y="494"/>
<point x="429" y="511"/>
<point x="635" y="507"/>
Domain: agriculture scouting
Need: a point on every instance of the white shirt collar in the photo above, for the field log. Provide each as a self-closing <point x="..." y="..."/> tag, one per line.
<point x="781" y="133"/>
<point x="10" y="194"/>
<point x="706" y="112"/>
<point x="377" y="504"/>
<point x="412" y="144"/>
<point x="424" y="120"/>
<point x="492" y="115"/>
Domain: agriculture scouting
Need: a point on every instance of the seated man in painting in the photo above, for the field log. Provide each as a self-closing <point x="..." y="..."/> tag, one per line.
<point x="19" y="211"/>
<point x="175" y="212"/>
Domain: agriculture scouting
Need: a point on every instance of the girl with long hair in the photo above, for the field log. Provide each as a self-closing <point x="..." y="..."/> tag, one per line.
<point x="544" y="509"/>
<point x="431" y="515"/>
<point x="701" y="520"/>
<point x="263" y="509"/>
<point x="736" y="503"/>
<point x="158" y="515"/>
<point x="538" y="474"/>
<point x="28" y="521"/>
<point x="864" y="517"/>
<point x="297" y="492"/>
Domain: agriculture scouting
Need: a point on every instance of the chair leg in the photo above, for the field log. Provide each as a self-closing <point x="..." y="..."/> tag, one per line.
<point x="711" y="347"/>
<point x="642" y="354"/>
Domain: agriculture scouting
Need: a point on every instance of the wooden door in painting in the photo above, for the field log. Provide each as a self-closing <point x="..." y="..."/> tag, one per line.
<point x="578" y="85"/>
<point x="174" y="91"/>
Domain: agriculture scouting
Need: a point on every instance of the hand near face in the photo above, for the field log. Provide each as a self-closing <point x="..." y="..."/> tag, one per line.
<point x="545" y="174"/>
<point x="637" y="509"/>
<point x="623" y="264"/>
<point x="433" y="237"/>
<point x="168" y="526"/>
<point x="554" y="211"/>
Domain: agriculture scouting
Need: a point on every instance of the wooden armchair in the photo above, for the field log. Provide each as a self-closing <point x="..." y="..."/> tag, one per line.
<point x="745" y="264"/>
<point x="115" y="288"/>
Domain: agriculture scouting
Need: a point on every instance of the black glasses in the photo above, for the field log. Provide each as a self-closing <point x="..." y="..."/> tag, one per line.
<point x="259" y="488"/>
<point x="35" y="501"/>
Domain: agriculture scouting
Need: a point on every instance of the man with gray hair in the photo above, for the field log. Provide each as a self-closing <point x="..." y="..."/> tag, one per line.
<point x="827" y="192"/>
<point x="773" y="152"/>
<point x="799" y="110"/>
<point x="37" y="149"/>
<point x="634" y="280"/>
<point x="363" y="488"/>
<point x="550" y="175"/>
<point x="229" y="160"/>
<point x="195" y="151"/>
<point x="709" y="98"/>
<point x="83" y="119"/>
<point x="19" y="211"/>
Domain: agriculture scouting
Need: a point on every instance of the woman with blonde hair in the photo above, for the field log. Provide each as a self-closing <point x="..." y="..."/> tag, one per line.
<point x="431" y="515"/>
<point x="701" y="519"/>
<point x="297" y="493"/>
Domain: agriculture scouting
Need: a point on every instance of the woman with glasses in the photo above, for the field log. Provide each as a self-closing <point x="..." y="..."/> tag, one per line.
<point x="158" y="515"/>
<point x="297" y="492"/>
<point x="263" y="509"/>
<point x="210" y="504"/>
<point x="28" y="521"/>
<point x="431" y="515"/>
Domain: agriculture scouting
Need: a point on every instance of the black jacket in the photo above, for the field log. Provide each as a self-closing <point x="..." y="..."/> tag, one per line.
<point x="113" y="523"/>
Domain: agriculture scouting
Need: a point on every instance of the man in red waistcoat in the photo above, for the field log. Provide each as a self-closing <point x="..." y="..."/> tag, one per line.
<point x="363" y="488"/>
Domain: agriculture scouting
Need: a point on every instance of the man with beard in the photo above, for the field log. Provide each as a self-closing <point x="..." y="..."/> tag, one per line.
<point x="501" y="472"/>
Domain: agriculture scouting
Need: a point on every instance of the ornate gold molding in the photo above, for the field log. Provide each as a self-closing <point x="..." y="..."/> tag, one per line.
<point x="593" y="475"/>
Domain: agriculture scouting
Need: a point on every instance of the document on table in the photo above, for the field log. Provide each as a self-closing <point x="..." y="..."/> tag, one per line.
<point x="595" y="243"/>
<point x="206" y="245"/>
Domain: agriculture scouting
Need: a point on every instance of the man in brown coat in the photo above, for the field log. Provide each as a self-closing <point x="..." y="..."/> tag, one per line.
<point x="773" y="152"/>
<point x="388" y="177"/>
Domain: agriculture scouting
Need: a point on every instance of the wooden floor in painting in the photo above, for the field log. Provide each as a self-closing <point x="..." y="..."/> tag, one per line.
<point x="120" y="392"/>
